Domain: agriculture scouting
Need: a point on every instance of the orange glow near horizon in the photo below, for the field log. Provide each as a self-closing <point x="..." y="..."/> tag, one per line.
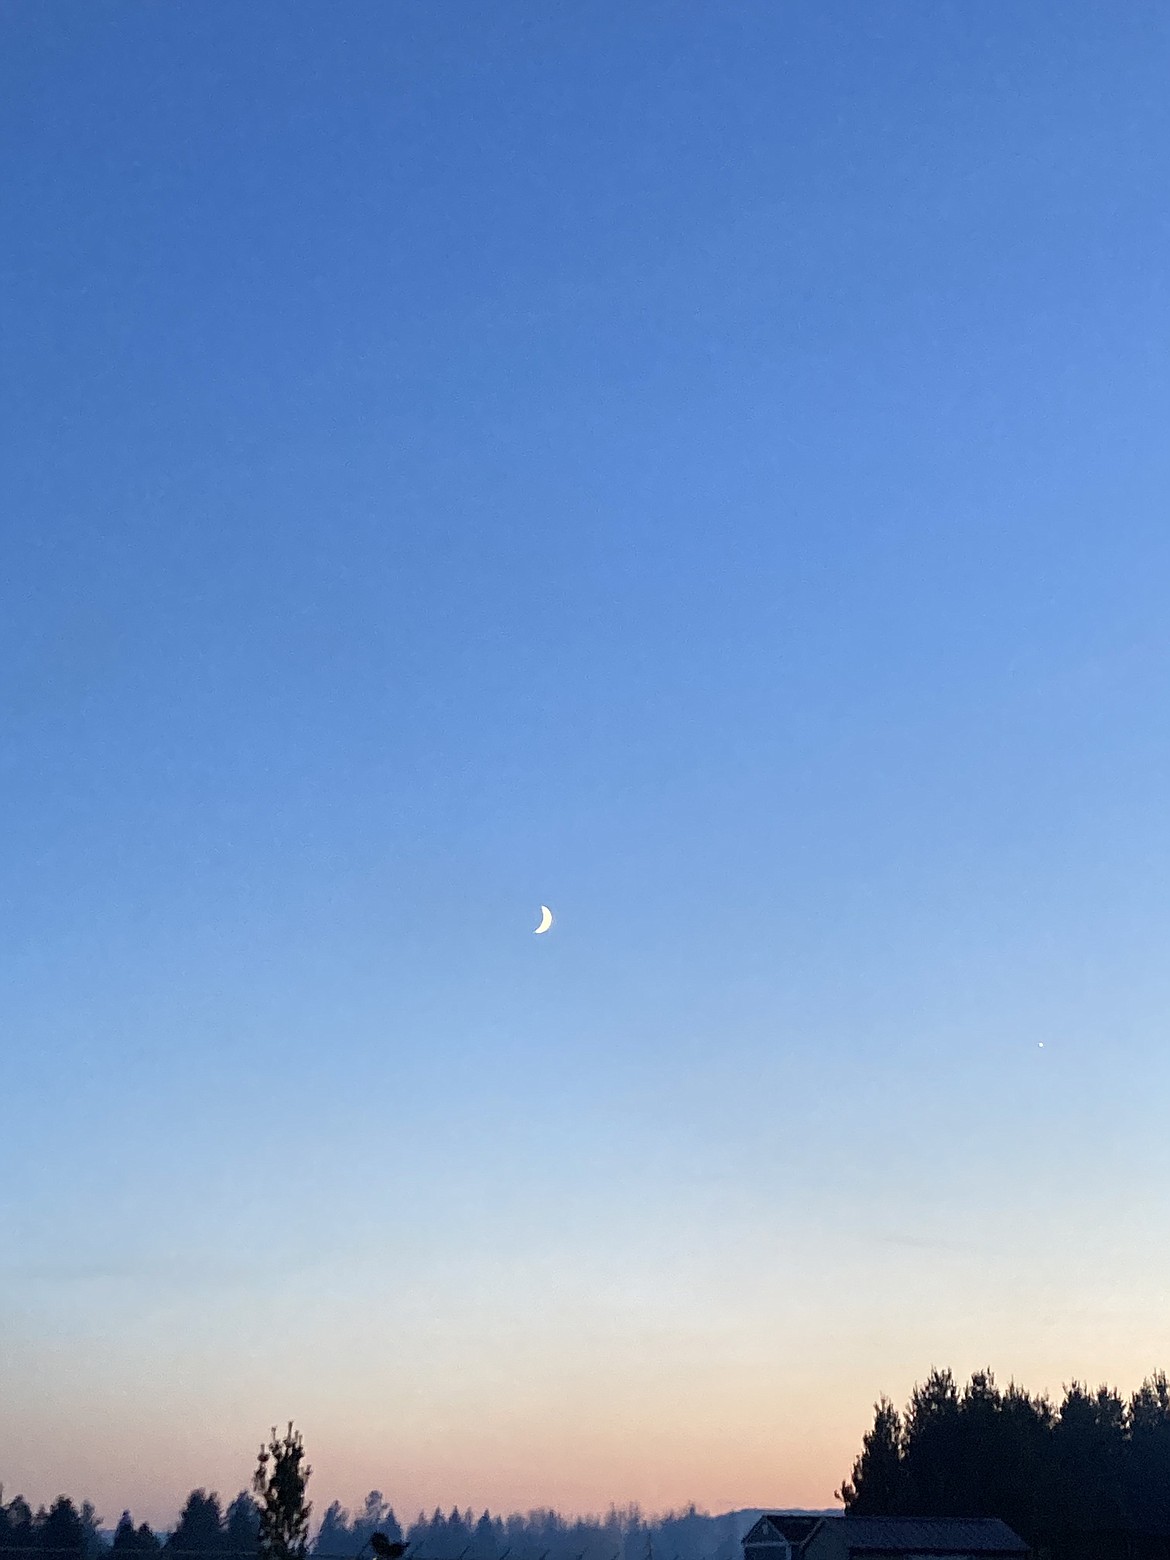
<point x="730" y="1441"/>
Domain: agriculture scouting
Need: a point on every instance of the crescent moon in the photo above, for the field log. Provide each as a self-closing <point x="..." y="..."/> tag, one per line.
<point x="546" y="920"/>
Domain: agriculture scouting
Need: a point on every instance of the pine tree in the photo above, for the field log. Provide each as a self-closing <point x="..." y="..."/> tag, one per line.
<point x="280" y="1480"/>
<point x="200" y="1527"/>
<point x="876" y="1487"/>
<point x="61" y="1532"/>
<point x="241" y="1526"/>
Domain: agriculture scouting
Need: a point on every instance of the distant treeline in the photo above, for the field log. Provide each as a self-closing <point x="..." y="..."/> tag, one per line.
<point x="205" y="1528"/>
<point x="1085" y="1479"/>
<point x="622" y="1534"/>
<point x="1088" y="1479"/>
<point x="66" y="1530"/>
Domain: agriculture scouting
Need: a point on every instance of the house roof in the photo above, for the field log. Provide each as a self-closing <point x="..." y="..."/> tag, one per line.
<point x="928" y="1535"/>
<point x="795" y="1526"/>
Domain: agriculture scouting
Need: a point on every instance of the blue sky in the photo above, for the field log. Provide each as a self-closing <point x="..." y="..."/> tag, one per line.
<point x="702" y="468"/>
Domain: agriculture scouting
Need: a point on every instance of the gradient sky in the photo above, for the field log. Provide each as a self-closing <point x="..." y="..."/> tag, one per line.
<point x="702" y="467"/>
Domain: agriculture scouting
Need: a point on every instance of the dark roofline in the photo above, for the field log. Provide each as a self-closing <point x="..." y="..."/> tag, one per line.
<point x="888" y="1537"/>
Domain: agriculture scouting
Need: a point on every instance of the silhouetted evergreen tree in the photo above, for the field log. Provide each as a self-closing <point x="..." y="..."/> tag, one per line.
<point x="932" y="1459"/>
<point x="94" y="1546"/>
<point x="417" y="1534"/>
<point x="200" y="1527"/>
<point x="60" y="1531"/>
<point x="334" y="1536"/>
<point x="242" y="1526"/>
<point x="1025" y="1428"/>
<point x="19" y="1531"/>
<point x="1148" y="1482"/>
<point x="125" y="1537"/>
<point x="130" y="1540"/>
<point x="459" y="1534"/>
<point x="634" y="1545"/>
<point x="878" y="1483"/>
<point x="486" y="1543"/>
<point x="1088" y="1443"/>
<point x="375" y="1517"/>
<point x="280" y="1481"/>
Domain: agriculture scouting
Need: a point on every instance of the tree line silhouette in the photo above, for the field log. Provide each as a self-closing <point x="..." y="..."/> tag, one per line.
<point x="624" y="1533"/>
<point x="1085" y="1479"/>
<point x="206" y="1529"/>
<point x="273" y="1526"/>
